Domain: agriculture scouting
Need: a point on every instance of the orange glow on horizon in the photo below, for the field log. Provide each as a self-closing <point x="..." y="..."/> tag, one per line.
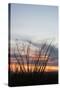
<point x="16" y="67"/>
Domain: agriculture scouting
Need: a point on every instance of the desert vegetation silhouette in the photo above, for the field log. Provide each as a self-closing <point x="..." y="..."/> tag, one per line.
<point x="31" y="59"/>
<point x="26" y="59"/>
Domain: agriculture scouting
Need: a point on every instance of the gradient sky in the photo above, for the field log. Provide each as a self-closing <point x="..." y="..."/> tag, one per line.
<point x="34" y="22"/>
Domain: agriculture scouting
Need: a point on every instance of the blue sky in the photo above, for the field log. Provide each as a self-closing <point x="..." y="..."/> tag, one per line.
<point x="34" y="22"/>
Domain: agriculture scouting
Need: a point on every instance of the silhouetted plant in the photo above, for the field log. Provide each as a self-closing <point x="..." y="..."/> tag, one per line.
<point x="24" y="56"/>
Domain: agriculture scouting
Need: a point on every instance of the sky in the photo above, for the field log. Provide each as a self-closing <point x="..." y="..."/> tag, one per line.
<point x="34" y="22"/>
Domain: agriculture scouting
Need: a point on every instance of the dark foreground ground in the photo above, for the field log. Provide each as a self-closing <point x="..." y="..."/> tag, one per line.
<point x="27" y="79"/>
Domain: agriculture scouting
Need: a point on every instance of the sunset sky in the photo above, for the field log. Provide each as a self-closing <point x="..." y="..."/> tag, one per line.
<point x="34" y="22"/>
